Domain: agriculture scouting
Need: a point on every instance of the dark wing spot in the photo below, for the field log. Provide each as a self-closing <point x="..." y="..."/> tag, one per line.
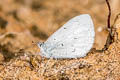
<point x="73" y="50"/>
<point x="65" y="28"/>
<point x="75" y="38"/>
<point x="72" y="45"/>
<point x="62" y="44"/>
<point x="54" y="39"/>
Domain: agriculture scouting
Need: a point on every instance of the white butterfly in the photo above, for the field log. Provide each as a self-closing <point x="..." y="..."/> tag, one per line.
<point x="73" y="40"/>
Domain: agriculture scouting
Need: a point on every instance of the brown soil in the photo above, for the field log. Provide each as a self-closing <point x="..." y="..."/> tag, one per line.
<point x="24" y="21"/>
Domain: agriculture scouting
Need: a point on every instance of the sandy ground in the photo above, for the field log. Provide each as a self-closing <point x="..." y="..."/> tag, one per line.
<point x="24" y="21"/>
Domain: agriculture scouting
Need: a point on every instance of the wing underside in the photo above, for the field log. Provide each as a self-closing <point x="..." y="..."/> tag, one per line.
<point x="72" y="40"/>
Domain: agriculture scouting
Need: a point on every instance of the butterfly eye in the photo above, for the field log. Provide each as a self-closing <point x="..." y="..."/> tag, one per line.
<point x="41" y="43"/>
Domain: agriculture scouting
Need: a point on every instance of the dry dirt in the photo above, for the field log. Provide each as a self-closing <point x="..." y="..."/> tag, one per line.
<point x="24" y="21"/>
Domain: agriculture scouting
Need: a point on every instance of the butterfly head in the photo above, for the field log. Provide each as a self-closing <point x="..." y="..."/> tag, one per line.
<point x="40" y="44"/>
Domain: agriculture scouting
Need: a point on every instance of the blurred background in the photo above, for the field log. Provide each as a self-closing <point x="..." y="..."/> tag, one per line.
<point x="24" y="21"/>
<point x="36" y="20"/>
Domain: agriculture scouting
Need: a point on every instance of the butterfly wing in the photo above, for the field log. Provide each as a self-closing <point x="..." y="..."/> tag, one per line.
<point x="74" y="39"/>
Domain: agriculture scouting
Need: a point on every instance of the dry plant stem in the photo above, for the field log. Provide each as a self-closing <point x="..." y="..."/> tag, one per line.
<point x="109" y="15"/>
<point x="110" y="36"/>
<point x="116" y="18"/>
<point x="115" y="33"/>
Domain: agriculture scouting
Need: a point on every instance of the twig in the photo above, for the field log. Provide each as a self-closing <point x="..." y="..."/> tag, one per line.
<point x="110" y="36"/>
<point x="109" y="15"/>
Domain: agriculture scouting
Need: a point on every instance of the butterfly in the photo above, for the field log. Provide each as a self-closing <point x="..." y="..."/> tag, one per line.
<point x="73" y="40"/>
